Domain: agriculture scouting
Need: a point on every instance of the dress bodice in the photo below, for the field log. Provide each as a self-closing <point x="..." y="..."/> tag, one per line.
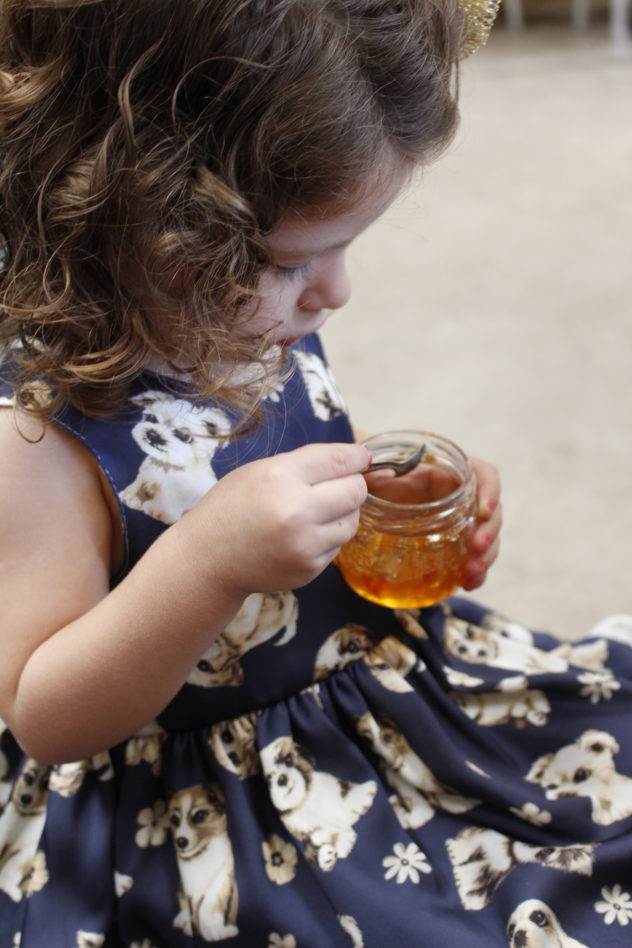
<point x="161" y="454"/>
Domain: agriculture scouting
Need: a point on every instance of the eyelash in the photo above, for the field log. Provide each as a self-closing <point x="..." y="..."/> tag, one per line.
<point x="294" y="273"/>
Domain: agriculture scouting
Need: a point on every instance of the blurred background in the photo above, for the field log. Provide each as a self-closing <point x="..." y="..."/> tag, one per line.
<point x="493" y="304"/>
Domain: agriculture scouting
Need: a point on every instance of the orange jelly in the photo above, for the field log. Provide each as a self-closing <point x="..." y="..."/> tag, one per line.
<point x="402" y="573"/>
<point x="410" y="548"/>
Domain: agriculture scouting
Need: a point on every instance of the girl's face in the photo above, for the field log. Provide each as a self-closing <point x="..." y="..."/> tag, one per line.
<point x="308" y="276"/>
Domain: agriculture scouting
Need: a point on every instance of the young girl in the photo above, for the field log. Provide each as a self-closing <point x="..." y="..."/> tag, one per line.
<point x="209" y="738"/>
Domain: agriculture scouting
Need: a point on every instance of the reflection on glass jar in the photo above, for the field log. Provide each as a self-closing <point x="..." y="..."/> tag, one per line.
<point x="410" y="548"/>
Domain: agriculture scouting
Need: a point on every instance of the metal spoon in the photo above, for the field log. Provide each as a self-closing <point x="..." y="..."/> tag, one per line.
<point x="399" y="467"/>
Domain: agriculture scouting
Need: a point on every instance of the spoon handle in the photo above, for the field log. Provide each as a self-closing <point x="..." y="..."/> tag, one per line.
<point x="399" y="467"/>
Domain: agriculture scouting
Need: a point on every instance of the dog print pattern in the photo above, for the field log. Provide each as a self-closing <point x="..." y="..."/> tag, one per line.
<point x="332" y="772"/>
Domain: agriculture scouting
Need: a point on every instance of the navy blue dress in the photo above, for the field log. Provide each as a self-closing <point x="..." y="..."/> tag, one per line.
<point x="333" y="774"/>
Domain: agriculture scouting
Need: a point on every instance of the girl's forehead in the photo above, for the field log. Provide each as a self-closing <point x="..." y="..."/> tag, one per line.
<point x="300" y="232"/>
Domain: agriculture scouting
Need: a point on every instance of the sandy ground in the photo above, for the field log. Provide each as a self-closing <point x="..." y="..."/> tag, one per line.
<point x="493" y="304"/>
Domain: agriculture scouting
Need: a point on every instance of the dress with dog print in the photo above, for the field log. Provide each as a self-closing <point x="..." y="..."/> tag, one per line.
<point x="333" y="774"/>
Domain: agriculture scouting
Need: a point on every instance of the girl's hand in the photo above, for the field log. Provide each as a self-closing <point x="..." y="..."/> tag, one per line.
<point x="484" y="541"/>
<point x="276" y="523"/>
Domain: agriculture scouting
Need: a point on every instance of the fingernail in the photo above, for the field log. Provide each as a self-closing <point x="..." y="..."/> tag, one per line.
<point x="487" y="541"/>
<point x="491" y="505"/>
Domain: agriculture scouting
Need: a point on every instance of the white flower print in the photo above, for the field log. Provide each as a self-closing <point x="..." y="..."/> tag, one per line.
<point x="616" y="905"/>
<point x="280" y="859"/>
<point x="532" y="814"/>
<point x="407" y="863"/>
<point x="17" y="939"/>
<point x="598" y="685"/>
<point x="154" y="823"/>
<point x="281" y="941"/>
<point x="145" y="943"/>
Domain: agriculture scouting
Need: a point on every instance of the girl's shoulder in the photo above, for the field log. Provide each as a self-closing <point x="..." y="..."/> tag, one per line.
<point x="49" y="477"/>
<point x="48" y="471"/>
<point x="56" y="520"/>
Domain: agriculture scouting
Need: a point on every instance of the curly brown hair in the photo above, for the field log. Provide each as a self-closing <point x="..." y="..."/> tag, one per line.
<point x="148" y="146"/>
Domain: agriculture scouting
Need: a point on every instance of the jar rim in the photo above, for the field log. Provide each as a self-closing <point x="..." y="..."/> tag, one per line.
<point x="413" y="438"/>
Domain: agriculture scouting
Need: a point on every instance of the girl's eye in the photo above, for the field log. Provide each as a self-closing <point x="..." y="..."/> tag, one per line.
<point x="294" y="273"/>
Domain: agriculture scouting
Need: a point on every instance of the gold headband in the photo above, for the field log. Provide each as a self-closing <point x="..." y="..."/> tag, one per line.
<point x="480" y="16"/>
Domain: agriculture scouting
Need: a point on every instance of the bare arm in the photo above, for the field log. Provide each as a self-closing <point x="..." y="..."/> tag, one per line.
<point x="84" y="667"/>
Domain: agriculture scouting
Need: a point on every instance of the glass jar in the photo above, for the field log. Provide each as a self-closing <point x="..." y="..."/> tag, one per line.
<point x="410" y="548"/>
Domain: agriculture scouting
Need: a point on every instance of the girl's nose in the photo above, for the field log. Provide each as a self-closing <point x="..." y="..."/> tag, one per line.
<point x="329" y="288"/>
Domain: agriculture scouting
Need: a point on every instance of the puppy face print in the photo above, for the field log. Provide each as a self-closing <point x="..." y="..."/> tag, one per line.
<point x="289" y="772"/>
<point x="208" y="895"/>
<point x="586" y="768"/>
<point x="23" y="868"/>
<point x="179" y="440"/>
<point x="196" y="815"/>
<point x="469" y="642"/>
<point x="384" y="738"/>
<point x="31" y="789"/>
<point x="390" y="661"/>
<point x="533" y="924"/>
<point x="234" y="746"/>
<point x="318" y="808"/>
<point x="174" y="431"/>
<point x="345" y="645"/>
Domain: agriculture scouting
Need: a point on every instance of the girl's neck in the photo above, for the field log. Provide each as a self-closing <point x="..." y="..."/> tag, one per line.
<point x="160" y="366"/>
<point x="235" y="375"/>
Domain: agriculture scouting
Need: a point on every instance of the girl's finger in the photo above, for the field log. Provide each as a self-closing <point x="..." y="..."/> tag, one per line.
<point x="338" y="499"/>
<point x="476" y="569"/>
<point x="486" y="532"/>
<point x="488" y="493"/>
<point x="332" y="538"/>
<point x="319" y="463"/>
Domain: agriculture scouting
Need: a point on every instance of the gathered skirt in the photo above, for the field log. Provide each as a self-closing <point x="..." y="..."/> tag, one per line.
<point x="459" y="781"/>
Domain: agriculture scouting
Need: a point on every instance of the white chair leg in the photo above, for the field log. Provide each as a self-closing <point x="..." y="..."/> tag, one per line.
<point x="514" y="15"/>
<point x="620" y="28"/>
